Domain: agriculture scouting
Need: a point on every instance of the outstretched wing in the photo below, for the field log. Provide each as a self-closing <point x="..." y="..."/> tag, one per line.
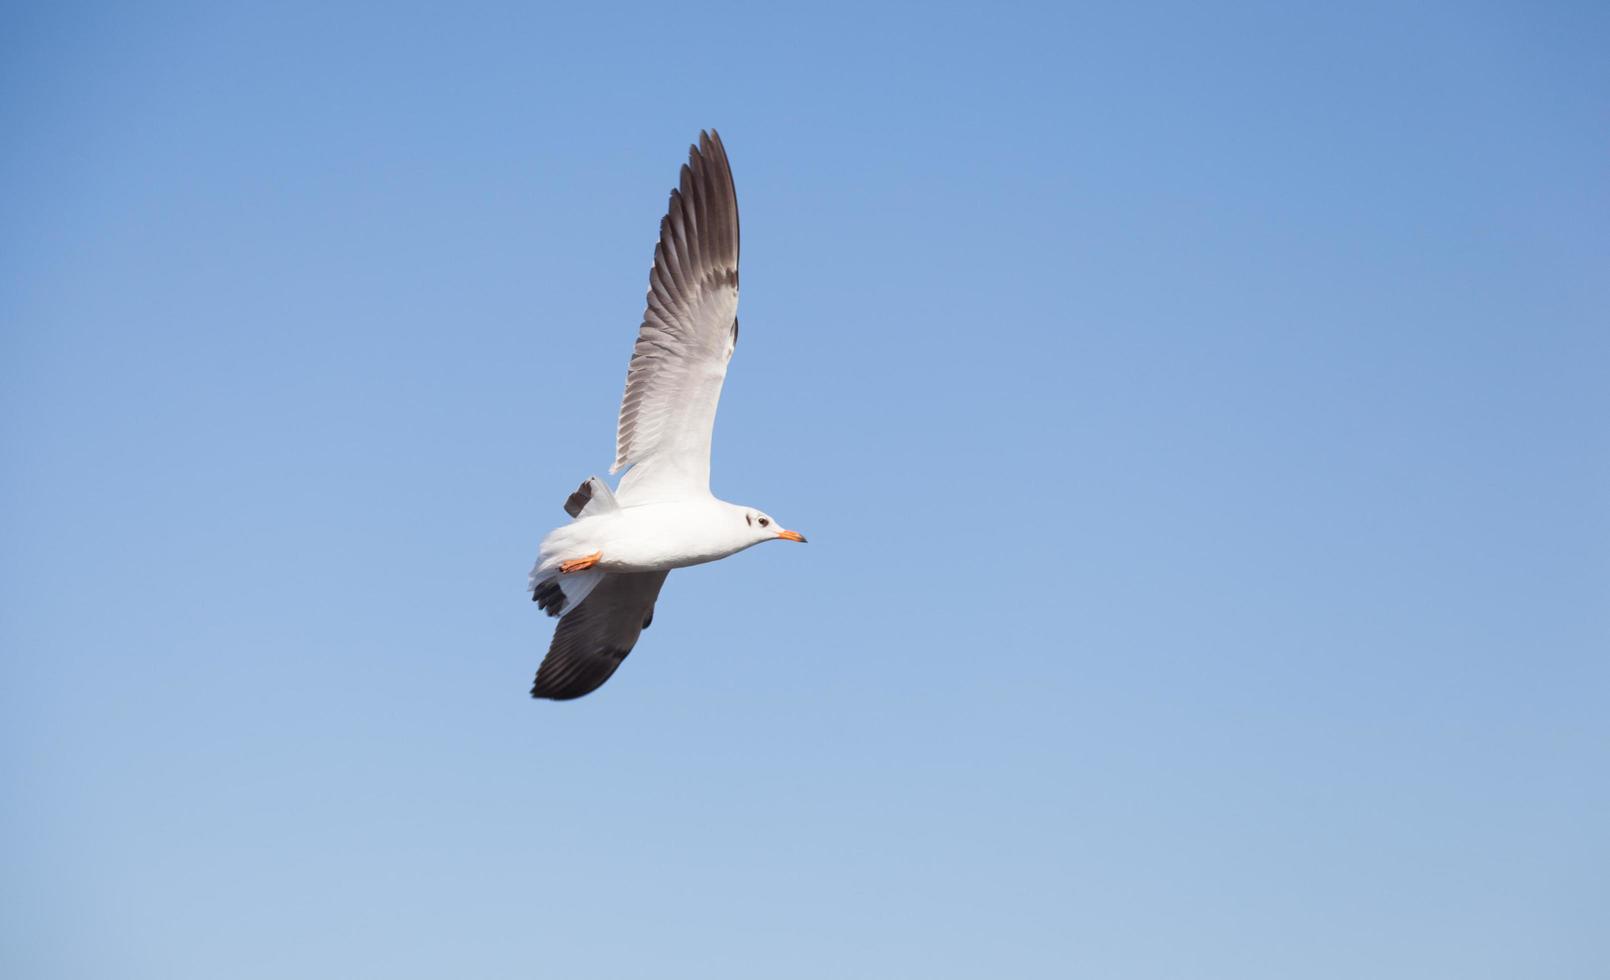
<point x="596" y="636"/>
<point x="689" y="330"/>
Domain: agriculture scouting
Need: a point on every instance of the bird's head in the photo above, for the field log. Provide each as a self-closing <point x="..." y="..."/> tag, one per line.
<point x="761" y="527"/>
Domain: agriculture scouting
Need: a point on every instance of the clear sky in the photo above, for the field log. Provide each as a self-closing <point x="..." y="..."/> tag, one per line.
<point x="1200" y="417"/>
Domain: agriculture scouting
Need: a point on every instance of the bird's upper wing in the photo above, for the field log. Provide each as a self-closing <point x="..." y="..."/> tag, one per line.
<point x="688" y="334"/>
<point x="596" y="636"/>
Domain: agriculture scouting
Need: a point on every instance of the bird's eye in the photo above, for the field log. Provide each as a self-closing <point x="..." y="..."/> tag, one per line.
<point x="764" y="522"/>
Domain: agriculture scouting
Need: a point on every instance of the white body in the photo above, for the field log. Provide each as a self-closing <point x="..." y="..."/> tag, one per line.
<point x="651" y="537"/>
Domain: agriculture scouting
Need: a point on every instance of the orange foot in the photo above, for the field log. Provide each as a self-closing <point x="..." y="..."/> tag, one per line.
<point x="580" y="563"/>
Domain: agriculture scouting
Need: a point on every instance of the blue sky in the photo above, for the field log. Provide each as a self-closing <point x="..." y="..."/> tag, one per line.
<point x="1198" y="416"/>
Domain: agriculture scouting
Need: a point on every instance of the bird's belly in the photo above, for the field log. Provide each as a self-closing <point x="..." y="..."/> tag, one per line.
<point x="659" y="540"/>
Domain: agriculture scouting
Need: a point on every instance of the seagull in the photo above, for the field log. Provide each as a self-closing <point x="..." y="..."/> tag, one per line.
<point x="602" y="572"/>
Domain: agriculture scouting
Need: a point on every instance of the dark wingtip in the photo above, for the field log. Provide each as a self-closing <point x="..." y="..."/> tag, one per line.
<point x="566" y="678"/>
<point x="544" y="692"/>
<point x="547" y="692"/>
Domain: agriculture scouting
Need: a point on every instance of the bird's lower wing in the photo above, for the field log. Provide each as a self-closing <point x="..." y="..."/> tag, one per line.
<point x="596" y="636"/>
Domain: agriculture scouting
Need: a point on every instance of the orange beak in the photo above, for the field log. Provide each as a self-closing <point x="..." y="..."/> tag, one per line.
<point x="791" y="536"/>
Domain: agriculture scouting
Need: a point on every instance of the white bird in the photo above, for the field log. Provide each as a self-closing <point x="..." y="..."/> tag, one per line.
<point x="602" y="572"/>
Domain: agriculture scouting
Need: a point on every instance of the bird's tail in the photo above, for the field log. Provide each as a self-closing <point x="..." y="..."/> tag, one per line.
<point x="556" y="593"/>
